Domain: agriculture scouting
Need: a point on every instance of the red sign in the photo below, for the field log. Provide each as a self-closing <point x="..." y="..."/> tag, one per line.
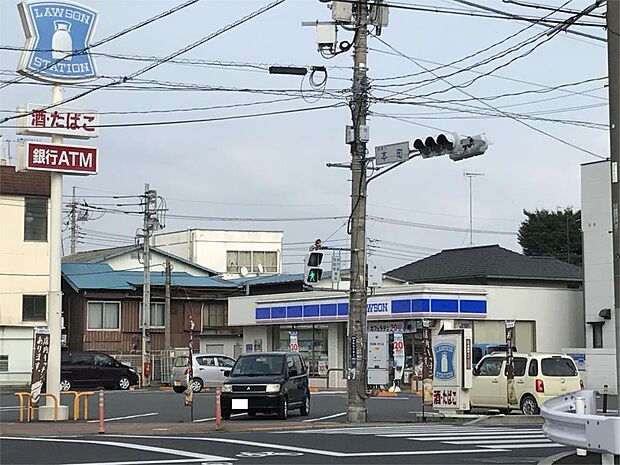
<point x="65" y="158"/>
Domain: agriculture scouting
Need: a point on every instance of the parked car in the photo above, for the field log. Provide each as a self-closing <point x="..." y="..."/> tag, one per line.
<point x="480" y="350"/>
<point x="94" y="369"/>
<point x="266" y="382"/>
<point x="208" y="371"/>
<point x="538" y="378"/>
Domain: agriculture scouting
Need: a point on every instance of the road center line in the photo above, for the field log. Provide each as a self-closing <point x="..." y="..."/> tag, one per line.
<point x="127" y="417"/>
<point x="325" y="418"/>
<point x="213" y="418"/>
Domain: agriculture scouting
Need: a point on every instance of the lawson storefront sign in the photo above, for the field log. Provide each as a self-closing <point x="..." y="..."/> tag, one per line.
<point x="388" y="307"/>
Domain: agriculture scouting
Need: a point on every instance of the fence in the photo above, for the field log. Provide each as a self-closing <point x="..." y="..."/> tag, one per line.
<point x="161" y="365"/>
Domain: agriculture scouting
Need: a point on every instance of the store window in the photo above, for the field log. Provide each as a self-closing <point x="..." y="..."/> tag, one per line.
<point x="253" y="261"/>
<point x="35" y="219"/>
<point x="34" y="307"/>
<point x="312" y="340"/>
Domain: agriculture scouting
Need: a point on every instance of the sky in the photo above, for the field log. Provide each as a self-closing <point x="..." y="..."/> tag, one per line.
<point x="269" y="172"/>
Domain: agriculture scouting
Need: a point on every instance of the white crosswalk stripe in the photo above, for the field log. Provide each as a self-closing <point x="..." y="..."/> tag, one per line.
<point x="487" y="437"/>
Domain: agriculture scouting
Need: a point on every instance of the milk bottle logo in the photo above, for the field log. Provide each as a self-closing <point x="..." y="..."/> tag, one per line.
<point x="444" y="361"/>
<point x="58" y="37"/>
<point x="62" y="44"/>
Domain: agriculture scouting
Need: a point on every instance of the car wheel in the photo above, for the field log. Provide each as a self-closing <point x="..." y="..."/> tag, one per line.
<point x="179" y="389"/>
<point x="225" y="414"/>
<point x="124" y="383"/>
<point x="197" y="384"/>
<point x="304" y="410"/>
<point x="529" y="406"/>
<point x="65" y="384"/>
<point x="283" y="410"/>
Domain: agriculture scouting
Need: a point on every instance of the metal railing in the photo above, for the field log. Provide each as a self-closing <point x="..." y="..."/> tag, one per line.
<point x="589" y="431"/>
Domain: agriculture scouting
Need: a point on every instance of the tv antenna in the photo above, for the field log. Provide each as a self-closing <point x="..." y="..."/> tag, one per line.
<point x="471" y="175"/>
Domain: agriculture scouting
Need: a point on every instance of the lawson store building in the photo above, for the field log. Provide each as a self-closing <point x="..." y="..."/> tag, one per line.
<point x="548" y="317"/>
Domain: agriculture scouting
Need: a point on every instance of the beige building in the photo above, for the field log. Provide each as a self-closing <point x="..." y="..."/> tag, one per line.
<point x="24" y="268"/>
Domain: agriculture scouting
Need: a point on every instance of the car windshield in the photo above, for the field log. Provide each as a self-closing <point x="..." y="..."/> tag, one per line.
<point x="558" y="366"/>
<point x="258" y="365"/>
<point x="181" y="361"/>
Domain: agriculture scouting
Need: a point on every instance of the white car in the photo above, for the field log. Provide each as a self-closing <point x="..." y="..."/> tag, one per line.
<point x="538" y="378"/>
<point x="208" y="371"/>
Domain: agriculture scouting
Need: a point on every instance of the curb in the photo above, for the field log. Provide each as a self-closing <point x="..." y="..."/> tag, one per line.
<point x="551" y="460"/>
<point x="314" y="389"/>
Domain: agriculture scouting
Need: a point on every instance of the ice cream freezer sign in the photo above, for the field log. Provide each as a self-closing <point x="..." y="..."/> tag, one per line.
<point x="57" y="41"/>
<point x="67" y="159"/>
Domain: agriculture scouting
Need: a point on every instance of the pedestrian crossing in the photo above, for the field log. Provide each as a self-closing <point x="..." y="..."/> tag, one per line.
<point x="484" y="437"/>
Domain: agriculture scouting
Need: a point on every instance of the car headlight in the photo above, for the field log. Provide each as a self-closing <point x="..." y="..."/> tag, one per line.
<point x="273" y="388"/>
<point x="226" y="387"/>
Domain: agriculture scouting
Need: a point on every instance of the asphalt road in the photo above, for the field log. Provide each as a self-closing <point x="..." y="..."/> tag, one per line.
<point x="168" y="406"/>
<point x="420" y="443"/>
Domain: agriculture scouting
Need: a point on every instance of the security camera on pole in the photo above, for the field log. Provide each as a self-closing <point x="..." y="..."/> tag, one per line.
<point x="57" y="51"/>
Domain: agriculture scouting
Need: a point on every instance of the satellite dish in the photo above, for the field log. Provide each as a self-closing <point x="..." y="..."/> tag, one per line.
<point x="244" y="271"/>
<point x="260" y="268"/>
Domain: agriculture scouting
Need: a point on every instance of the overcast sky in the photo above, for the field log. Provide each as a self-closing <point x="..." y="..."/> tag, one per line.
<point x="274" y="167"/>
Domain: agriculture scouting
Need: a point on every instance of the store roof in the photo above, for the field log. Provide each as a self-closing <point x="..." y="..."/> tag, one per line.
<point x="490" y="261"/>
<point x="82" y="276"/>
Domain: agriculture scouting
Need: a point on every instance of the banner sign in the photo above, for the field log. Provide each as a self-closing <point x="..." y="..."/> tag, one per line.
<point x="293" y="344"/>
<point x="39" y="363"/>
<point x="399" y="355"/>
<point x="67" y="159"/>
<point x="61" y="121"/>
<point x="427" y="364"/>
<point x="510" y="363"/>
<point x="58" y="34"/>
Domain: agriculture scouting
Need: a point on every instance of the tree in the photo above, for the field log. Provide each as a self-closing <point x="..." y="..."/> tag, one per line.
<point x="552" y="233"/>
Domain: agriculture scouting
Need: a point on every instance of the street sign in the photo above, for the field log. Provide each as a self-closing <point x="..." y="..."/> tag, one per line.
<point x="391" y="153"/>
<point x="336" y="267"/>
<point x="67" y="159"/>
<point x="58" y="34"/>
<point x="293" y="343"/>
<point x="59" y="121"/>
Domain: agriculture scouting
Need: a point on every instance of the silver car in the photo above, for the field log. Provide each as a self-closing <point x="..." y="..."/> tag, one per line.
<point x="208" y="371"/>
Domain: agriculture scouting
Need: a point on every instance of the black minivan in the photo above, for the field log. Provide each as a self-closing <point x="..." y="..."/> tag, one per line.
<point x="266" y="382"/>
<point x="94" y="369"/>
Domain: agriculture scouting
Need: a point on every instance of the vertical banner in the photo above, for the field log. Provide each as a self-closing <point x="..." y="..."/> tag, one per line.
<point x="39" y="363"/>
<point x="427" y="363"/>
<point x="293" y="345"/>
<point x="399" y="355"/>
<point x="189" y="393"/>
<point x="510" y="363"/>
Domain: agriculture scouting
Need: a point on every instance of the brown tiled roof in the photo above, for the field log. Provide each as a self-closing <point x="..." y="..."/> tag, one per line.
<point x="23" y="182"/>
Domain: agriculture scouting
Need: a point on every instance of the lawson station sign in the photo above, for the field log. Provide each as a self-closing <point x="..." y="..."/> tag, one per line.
<point x="57" y="41"/>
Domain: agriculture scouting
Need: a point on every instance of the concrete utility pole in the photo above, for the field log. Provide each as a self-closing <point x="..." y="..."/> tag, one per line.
<point x="167" y="306"/>
<point x="150" y="208"/>
<point x="613" y="58"/>
<point x="356" y="384"/>
<point x="73" y="220"/>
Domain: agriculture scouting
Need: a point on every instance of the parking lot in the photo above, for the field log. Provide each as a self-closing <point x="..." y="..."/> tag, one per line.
<point x="153" y="405"/>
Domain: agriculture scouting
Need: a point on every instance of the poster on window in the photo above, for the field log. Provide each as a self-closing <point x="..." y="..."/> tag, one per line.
<point x="399" y="355"/>
<point x="293" y="345"/>
<point x="39" y="363"/>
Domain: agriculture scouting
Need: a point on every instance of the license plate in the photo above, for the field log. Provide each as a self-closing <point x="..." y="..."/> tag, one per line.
<point x="177" y="383"/>
<point x="239" y="404"/>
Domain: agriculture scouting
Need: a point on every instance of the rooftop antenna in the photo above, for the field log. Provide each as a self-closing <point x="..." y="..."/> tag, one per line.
<point x="470" y="175"/>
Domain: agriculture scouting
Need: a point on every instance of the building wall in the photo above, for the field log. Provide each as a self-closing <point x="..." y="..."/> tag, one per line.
<point x="208" y="247"/>
<point x="158" y="261"/>
<point x="597" y="248"/>
<point x="16" y="342"/>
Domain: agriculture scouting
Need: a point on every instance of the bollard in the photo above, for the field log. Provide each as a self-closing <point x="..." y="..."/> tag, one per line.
<point x="580" y="409"/>
<point x="101" y="425"/>
<point x="218" y="408"/>
<point x="605" y="388"/>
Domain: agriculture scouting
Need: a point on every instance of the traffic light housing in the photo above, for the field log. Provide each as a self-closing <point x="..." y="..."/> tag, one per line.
<point x="312" y="268"/>
<point x="433" y="147"/>
<point x="470" y="147"/>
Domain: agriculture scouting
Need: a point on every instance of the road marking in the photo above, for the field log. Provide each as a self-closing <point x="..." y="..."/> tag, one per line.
<point x="127" y="445"/>
<point x="325" y="418"/>
<point x="127" y="417"/>
<point x="213" y="418"/>
<point x="521" y="446"/>
<point x="318" y="451"/>
<point x="6" y="409"/>
<point x="499" y="441"/>
<point x="149" y="462"/>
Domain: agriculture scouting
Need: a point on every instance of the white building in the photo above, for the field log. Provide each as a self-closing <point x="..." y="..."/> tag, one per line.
<point x="231" y="253"/>
<point x="24" y="269"/>
<point x="542" y="294"/>
<point x="600" y="352"/>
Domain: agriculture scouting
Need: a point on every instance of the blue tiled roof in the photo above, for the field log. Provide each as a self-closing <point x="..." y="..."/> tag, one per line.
<point x="102" y="276"/>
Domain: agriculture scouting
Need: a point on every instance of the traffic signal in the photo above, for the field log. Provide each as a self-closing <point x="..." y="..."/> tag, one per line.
<point x="312" y="268"/>
<point x="470" y="147"/>
<point x="433" y="147"/>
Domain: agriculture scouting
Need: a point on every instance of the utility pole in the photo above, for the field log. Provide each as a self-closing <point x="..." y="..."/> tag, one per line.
<point x="356" y="384"/>
<point x="167" y="306"/>
<point x="471" y="217"/>
<point x="73" y="220"/>
<point x="613" y="58"/>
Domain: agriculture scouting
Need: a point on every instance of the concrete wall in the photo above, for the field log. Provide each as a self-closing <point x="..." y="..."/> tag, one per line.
<point x="16" y="342"/>
<point x="227" y="345"/>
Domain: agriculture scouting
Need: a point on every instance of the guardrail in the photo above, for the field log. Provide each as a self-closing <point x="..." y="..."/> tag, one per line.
<point x="595" y="433"/>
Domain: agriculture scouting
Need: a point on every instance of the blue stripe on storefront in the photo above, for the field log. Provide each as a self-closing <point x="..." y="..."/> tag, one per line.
<point x="329" y="310"/>
<point x="278" y="312"/>
<point x="473" y="306"/>
<point x="311" y="310"/>
<point x="444" y="306"/>
<point x="263" y="313"/>
<point x="294" y="311"/>
<point x="401" y="306"/>
<point x="343" y="309"/>
<point x="420" y="305"/>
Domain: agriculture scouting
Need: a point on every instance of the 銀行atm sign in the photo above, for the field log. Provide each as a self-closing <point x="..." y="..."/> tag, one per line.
<point x="67" y="159"/>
